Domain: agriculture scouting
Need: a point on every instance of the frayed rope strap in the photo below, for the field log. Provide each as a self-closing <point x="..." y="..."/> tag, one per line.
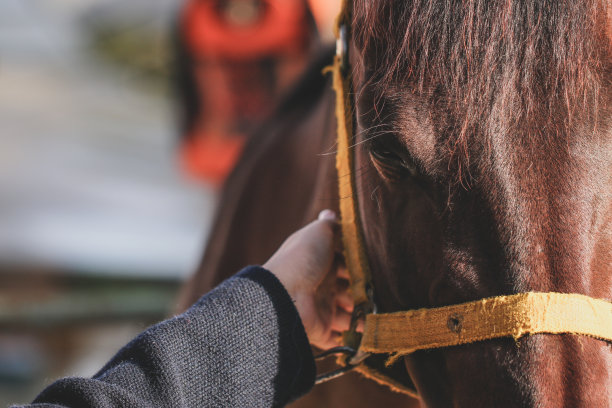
<point x="503" y="316"/>
<point x="355" y="258"/>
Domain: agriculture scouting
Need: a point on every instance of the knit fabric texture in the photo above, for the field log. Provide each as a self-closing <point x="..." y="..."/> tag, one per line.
<point x="241" y="345"/>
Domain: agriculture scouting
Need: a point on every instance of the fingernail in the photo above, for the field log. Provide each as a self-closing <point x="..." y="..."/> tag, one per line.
<point x="327" y="215"/>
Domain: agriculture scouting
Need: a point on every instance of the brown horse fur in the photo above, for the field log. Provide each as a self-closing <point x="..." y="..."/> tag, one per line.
<point x="484" y="167"/>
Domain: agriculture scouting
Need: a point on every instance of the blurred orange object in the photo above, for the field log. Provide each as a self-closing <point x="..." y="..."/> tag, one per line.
<point x="243" y="29"/>
<point x="242" y="55"/>
<point x="211" y="157"/>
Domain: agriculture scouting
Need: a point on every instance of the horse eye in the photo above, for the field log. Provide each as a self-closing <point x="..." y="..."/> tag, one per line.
<point x="386" y="155"/>
<point x="390" y="162"/>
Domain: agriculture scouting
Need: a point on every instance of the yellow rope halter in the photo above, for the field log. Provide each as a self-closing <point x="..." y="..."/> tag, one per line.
<point x="401" y="333"/>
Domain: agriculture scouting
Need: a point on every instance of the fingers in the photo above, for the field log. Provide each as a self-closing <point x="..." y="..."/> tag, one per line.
<point x="360" y="325"/>
<point x="341" y="321"/>
<point x="332" y="221"/>
<point x="329" y="219"/>
<point x="340" y="324"/>
<point x="327" y="215"/>
<point x="344" y="300"/>
<point x="341" y="269"/>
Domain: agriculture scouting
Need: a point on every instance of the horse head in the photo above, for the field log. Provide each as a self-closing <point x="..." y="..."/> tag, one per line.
<point x="483" y="168"/>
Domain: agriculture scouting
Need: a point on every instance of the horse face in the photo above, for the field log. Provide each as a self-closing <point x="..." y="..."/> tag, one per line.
<point x="496" y="182"/>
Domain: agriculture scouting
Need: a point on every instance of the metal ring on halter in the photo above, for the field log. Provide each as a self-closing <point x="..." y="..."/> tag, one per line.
<point x="353" y="359"/>
<point x="342" y="48"/>
<point x="350" y="352"/>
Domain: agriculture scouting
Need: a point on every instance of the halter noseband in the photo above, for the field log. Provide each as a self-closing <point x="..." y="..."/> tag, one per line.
<point x="401" y="333"/>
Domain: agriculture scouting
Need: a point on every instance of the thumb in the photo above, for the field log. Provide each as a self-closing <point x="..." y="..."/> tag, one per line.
<point x="328" y="215"/>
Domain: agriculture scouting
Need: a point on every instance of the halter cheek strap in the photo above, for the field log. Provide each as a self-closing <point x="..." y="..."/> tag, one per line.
<point x="356" y="260"/>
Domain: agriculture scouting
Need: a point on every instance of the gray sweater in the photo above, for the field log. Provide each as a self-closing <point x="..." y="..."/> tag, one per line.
<point x="241" y="345"/>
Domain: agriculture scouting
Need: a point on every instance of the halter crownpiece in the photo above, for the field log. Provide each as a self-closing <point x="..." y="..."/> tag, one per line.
<point x="388" y="336"/>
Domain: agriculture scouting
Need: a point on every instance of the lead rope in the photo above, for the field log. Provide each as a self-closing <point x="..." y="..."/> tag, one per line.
<point x="339" y="351"/>
<point x="352" y="357"/>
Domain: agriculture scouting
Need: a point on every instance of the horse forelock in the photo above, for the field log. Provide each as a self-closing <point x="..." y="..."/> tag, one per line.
<point x="529" y="68"/>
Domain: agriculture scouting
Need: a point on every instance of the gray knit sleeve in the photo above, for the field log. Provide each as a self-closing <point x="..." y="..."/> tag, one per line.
<point x="241" y="345"/>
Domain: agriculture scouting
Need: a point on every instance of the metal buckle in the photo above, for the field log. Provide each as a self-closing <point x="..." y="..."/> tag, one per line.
<point x="342" y="48"/>
<point x="354" y="358"/>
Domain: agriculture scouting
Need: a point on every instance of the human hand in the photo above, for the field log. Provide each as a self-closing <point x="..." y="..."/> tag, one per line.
<point x="313" y="273"/>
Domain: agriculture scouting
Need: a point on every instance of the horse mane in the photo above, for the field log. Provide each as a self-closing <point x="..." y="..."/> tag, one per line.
<point x="497" y="66"/>
<point x="307" y="89"/>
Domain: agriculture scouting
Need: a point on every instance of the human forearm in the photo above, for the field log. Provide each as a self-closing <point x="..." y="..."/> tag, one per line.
<point x="241" y="345"/>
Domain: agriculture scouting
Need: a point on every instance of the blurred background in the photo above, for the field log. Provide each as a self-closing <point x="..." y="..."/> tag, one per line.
<point x="119" y="122"/>
<point x="98" y="225"/>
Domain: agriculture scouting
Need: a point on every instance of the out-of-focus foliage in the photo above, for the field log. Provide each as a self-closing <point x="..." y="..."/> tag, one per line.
<point x="143" y="51"/>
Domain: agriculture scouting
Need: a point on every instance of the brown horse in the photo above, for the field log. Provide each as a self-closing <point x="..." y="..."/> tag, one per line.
<point x="285" y="177"/>
<point x="484" y="167"/>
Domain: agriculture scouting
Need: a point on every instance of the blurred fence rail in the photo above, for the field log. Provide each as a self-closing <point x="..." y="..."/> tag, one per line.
<point x="35" y="301"/>
<point x="97" y="224"/>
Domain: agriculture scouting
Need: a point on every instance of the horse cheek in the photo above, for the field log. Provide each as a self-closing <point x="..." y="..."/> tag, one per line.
<point x="402" y="238"/>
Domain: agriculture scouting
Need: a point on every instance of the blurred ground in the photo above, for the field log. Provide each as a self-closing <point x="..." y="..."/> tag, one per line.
<point x="93" y="208"/>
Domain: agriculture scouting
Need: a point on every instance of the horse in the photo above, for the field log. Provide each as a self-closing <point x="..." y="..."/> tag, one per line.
<point x="483" y="167"/>
<point x="284" y="178"/>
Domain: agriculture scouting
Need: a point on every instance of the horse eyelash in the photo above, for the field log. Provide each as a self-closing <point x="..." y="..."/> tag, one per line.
<point x="366" y="140"/>
<point x="369" y="134"/>
<point x="359" y="171"/>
